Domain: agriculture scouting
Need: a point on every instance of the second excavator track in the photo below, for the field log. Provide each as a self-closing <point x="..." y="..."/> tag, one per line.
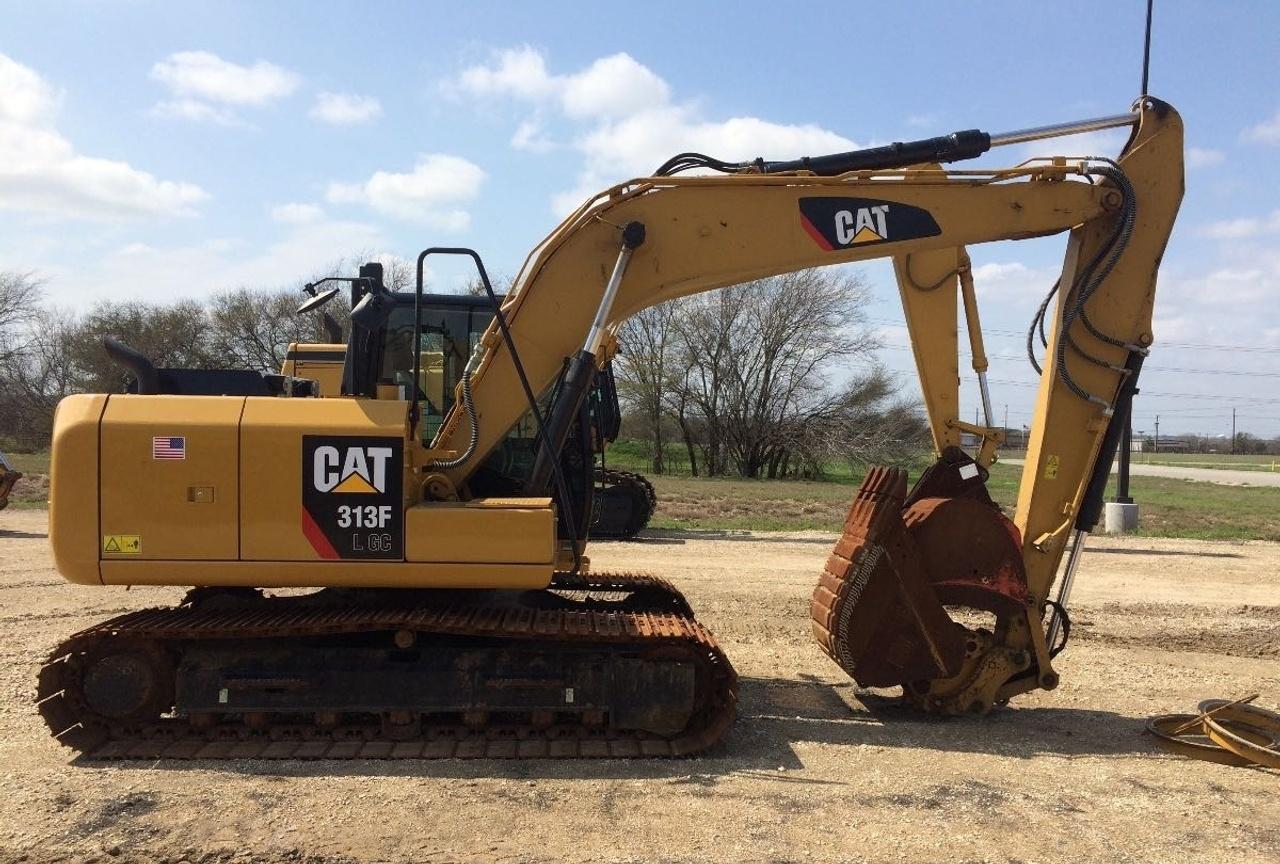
<point x="622" y="523"/>
<point x="110" y="691"/>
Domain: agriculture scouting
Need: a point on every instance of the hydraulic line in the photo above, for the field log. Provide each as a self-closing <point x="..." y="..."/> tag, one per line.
<point x="1086" y="284"/>
<point x="468" y="405"/>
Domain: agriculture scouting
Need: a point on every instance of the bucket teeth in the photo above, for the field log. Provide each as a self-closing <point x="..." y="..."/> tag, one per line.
<point x="873" y="610"/>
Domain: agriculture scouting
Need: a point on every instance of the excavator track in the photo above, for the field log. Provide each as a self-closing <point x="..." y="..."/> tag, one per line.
<point x="632" y="590"/>
<point x="634" y="500"/>
<point x="506" y="676"/>
<point x="9" y="476"/>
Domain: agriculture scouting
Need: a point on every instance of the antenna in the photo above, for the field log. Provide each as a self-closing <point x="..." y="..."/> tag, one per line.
<point x="1146" y="51"/>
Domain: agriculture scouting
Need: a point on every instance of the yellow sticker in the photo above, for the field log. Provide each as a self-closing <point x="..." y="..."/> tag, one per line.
<point x="122" y="544"/>
<point x="1051" y="468"/>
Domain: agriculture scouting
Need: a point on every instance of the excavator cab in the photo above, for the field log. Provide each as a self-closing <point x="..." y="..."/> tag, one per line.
<point x="450" y="328"/>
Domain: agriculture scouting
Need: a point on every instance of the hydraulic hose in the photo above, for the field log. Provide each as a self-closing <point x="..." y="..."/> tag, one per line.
<point x="469" y="406"/>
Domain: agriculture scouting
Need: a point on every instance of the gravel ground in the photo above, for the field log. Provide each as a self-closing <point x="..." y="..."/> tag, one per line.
<point x="808" y="773"/>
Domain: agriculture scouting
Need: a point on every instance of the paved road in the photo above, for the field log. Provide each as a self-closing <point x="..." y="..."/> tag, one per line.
<point x="1223" y="476"/>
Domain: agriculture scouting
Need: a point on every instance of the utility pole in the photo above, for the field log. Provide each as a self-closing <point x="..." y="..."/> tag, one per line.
<point x="1121" y="513"/>
<point x="1233" y="431"/>
<point x="1126" y="445"/>
<point x="1006" y="417"/>
<point x="1155" y="445"/>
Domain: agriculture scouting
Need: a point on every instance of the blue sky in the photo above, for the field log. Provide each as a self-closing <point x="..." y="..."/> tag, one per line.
<point x="155" y="151"/>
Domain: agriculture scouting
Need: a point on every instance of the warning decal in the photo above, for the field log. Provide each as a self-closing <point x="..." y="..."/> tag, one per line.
<point x="1051" y="468"/>
<point x="122" y="544"/>
<point x="352" y="505"/>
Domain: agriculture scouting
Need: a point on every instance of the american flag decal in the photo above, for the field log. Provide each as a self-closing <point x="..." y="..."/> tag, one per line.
<point x="169" y="448"/>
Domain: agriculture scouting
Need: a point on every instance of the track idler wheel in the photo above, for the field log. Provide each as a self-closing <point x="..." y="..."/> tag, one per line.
<point x="123" y="682"/>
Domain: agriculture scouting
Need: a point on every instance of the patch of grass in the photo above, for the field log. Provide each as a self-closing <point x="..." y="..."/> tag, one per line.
<point x="1210" y="460"/>
<point x="755" y="505"/>
<point x="32" y="491"/>
<point x="1204" y="511"/>
<point x="1192" y="460"/>
<point x="29" y="463"/>
<point x="1169" y="508"/>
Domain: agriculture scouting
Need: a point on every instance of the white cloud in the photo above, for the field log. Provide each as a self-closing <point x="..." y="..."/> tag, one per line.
<point x="221" y="264"/>
<point x="997" y="271"/>
<point x="616" y="150"/>
<point x="297" y="214"/>
<point x="345" y="109"/>
<point x="615" y="86"/>
<point x="203" y="75"/>
<point x="1243" y="228"/>
<point x="612" y="86"/>
<point x="628" y="122"/>
<point x="529" y="136"/>
<point x="1240" y="287"/>
<point x="520" y="72"/>
<point x="1012" y="283"/>
<point x="923" y="120"/>
<point x="430" y="193"/>
<point x="204" y="87"/>
<point x="41" y="172"/>
<point x="26" y="99"/>
<point x="200" y="112"/>
<point x="1266" y="132"/>
<point x="1203" y="157"/>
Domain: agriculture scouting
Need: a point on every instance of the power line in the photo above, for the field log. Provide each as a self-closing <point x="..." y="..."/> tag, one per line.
<point x="1148" y="369"/>
<point x="1022" y="334"/>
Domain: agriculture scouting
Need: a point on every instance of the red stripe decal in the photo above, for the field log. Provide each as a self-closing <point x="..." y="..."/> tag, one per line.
<point x="318" y="541"/>
<point x="815" y="233"/>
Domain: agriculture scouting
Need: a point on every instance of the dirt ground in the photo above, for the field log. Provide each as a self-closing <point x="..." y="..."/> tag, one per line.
<point x="809" y="773"/>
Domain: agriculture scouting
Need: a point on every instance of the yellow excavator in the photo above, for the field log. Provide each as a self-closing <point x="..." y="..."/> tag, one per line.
<point x="456" y="613"/>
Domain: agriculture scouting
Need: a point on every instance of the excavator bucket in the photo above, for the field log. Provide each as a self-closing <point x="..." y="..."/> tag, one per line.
<point x="879" y="609"/>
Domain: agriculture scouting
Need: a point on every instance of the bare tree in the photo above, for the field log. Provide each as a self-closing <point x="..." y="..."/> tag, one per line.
<point x="175" y="335"/>
<point x="747" y="376"/>
<point x="18" y="308"/>
<point x="642" y="371"/>
<point x="253" y="329"/>
<point x="34" y="379"/>
<point x="710" y="331"/>
<point x="756" y="359"/>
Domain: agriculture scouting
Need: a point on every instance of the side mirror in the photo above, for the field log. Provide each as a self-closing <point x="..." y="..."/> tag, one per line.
<point x="373" y="310"/>
<point x="317" y="299"/>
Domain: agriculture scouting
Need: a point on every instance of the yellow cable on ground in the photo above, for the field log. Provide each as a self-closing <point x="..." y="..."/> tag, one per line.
<point x="1250" y="732"/>
<point x="1229" y="732"/>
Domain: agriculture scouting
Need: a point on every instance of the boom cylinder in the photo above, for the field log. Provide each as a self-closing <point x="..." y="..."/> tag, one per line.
<point x="581" y="374"/>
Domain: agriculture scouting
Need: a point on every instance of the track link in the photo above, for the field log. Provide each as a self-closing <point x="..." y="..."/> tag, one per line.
<point x="157" y="637"/>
